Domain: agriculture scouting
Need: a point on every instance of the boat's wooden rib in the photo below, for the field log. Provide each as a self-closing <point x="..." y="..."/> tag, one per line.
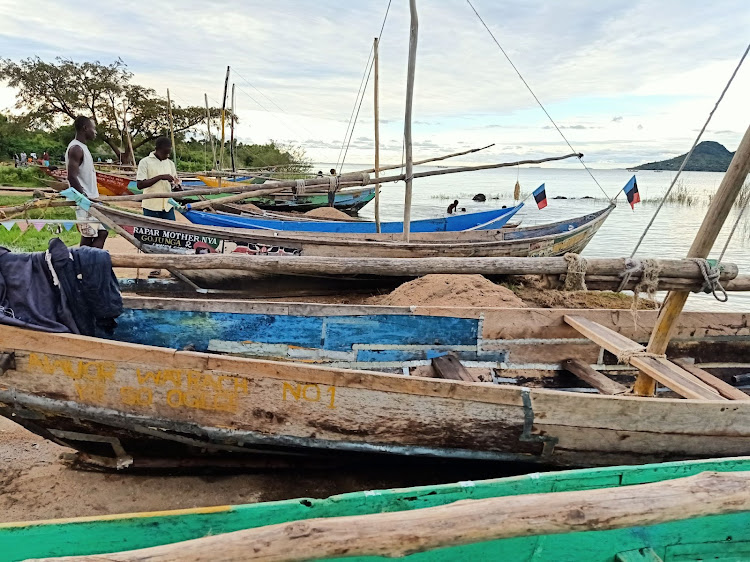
<point x="599" y="381"/>
<point x="666" y="372"/>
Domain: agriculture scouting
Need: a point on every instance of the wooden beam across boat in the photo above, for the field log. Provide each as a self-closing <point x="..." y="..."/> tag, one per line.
<point x="723" y="388"/>
<point x="401" y="533"/>
<point x="659" y="368"/>
<point x="399" y="267"/>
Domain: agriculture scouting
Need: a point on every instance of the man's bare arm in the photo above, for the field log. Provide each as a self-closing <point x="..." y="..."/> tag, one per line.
<point x="75" y="157"/>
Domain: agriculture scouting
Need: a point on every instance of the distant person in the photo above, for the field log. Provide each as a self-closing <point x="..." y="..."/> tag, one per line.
<point x="82" y="178"/>
<point x="16" y="160"/>
<point x="45" y="159"/>
<point x="452" y="207"/>
<point x="33" y="156"/>
<point x="320" y="173"/>
<point x="463" y="209"/>
<point x="23" y="159"/>
<point x="333" y="171"/>
<point x="157" y="174"/>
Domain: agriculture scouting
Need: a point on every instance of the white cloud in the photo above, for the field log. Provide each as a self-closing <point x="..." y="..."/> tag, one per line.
<point x="656" y="67"/>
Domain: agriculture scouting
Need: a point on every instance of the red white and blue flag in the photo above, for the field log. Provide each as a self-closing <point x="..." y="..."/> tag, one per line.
<point x="631" y="191"/>
<point x="540" y="196"/>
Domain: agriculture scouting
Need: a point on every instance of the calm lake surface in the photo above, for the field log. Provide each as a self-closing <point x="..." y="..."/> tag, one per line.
<point x="669" y="237"/>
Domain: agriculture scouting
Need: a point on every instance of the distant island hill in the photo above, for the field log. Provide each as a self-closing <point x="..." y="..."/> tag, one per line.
<point x="708" y="156"/>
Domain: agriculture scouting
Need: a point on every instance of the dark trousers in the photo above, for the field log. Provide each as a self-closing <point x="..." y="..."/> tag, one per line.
<point x="168" y="215"/>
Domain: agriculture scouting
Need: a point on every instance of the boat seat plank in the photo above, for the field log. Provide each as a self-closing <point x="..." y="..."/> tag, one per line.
<point x="640" y="555"/>
<point x="723" y="388"/>
<point x="667" y="373"/>
<point x="599" y="381"/>
<point x="449" y="367"/>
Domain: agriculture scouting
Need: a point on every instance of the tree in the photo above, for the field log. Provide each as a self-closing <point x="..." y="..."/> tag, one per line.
<point x="48" y="92"/>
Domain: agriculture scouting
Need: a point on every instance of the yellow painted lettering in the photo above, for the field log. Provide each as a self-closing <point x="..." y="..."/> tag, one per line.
<point x="175" y="398"/>
<point x="332" y="392"/>
<point x="315" y="397"/>
<point x="171" y="375"/>
<point x="147" y="377"/>
<point x="240" y="385"/>
<point x="293" y="390"/>
<point x="41" y="362"/>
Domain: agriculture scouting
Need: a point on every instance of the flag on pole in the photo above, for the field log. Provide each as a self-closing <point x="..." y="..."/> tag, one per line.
<point x="631" y="191"/>
<point x="540" y="195"/>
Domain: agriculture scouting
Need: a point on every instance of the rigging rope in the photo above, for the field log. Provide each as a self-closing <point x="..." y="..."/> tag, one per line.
<point x="687" y="156"/>
<point x="537" y="100"/>
<point x="360" y="97"/>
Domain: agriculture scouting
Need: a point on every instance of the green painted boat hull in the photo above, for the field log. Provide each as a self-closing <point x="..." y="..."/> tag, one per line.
<point x="717" y="537"/>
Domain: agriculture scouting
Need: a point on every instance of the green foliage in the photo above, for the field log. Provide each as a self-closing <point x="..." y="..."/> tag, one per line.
<point x="21" y="177"/>
<point x="708" y="156"/>
<point x="52" y="92"/>
<point x="196" y="155"/>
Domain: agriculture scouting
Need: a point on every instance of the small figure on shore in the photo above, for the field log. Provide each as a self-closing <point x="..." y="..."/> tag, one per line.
<point x="45" y="159"/>
<point x="452" y="207"/>
<point x="23" y="159"/>
<point x="82" y="178"/>
<point x="320" y="173"/>
<point x="158" y="174"/>
<point x="333" y="171"/>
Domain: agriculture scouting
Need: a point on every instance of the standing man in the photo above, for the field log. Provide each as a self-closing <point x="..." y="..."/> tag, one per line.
<point x="82" y="178"/>
<point x="156" y="174"/>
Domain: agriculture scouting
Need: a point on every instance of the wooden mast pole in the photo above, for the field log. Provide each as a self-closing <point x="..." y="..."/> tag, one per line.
<point x="717" y="213"/>
<point x="377" y="136"/>
<point x="413" y="35"/>
<point x="210" y="136"/>
<point x="127" y="131"/>
<point x="223" y="121"/>
<point x="171" y="128"/>
<point x="231" y="134"/>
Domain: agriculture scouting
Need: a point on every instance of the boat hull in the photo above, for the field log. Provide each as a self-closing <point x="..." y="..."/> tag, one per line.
<point x="701" y="537"/>
<point x="120" y="402"/>
<point x="160" y="236"/>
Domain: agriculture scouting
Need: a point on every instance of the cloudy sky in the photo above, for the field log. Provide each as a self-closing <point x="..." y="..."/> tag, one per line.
<point x="628" y="81"/>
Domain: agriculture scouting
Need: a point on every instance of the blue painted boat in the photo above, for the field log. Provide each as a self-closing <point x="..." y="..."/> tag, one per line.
<point x="484" y="220"/>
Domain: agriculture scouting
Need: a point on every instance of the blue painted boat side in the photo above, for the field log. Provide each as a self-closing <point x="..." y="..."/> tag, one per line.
<point x="380" y="338"/>
<point x="484" y="220"/>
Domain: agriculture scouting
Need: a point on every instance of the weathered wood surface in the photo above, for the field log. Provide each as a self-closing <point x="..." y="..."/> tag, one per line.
<point x="449" y="367"/>
<point x="395" y="267"/>
<point x="667" y="373"/>
<point x="718" y="211"/>
<point x="410" y="74"/>
<point x="596" y="379"/>
<point x="464" y="522"/>
<point x="723" y="388"/>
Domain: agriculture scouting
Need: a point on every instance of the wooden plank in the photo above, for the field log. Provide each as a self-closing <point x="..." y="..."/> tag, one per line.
<point x="723" y="388"/>
<point x="667" y="373"/>
<point x="596" y="379"/>
<point x="449" y="367"/>
<point x="465" y="522"/>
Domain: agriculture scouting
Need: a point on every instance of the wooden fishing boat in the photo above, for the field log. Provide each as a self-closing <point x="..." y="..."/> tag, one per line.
<point x="161" y="236"/>
<point x="107" y="184"/>
<point x="484" y="220"/>
<point x="715" y="533"/>
<point x="123" y="403"/>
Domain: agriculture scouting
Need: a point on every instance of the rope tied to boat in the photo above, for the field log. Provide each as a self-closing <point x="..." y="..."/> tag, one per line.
<point x="626" y="355"/>
<point x="711" y="274"/>
<point x="299" y="187"/>
<point x="575" y="279"/>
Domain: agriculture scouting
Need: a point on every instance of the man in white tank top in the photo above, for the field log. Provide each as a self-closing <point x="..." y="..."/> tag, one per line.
<point x="82" y="177"/>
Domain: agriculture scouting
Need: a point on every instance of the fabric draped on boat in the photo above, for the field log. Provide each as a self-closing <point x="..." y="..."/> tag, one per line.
<point x="60" y="290"/>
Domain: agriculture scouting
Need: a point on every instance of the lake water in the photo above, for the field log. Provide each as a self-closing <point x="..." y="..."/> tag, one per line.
<point x="669" y="237"/>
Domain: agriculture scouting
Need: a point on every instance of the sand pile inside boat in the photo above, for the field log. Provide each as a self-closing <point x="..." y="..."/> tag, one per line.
<point x="450" y="290"/>
<point x="250" y="208"/>
<point x="328" y="213"/>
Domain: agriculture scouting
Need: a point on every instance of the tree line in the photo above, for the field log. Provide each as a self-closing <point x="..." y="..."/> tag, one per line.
<point x="51" y="94"/>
